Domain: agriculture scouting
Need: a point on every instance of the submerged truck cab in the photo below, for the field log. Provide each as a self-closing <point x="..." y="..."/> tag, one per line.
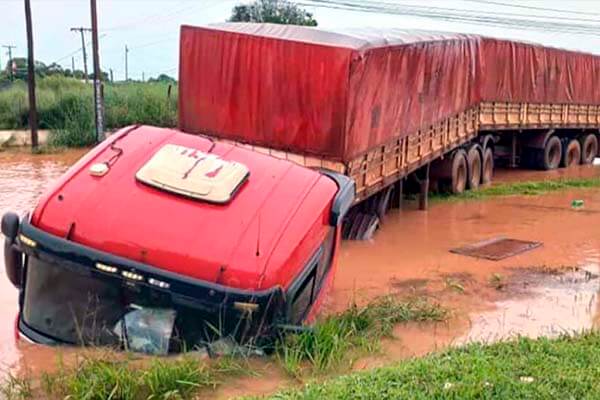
<point x="159" y="241"/>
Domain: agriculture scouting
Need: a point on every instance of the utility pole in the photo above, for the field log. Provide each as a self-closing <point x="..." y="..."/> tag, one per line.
<point x="111" y="76"/>
<point x="73" y="65"/>
<point x="31" y="78"/>
<point x="10" y="67"/>
<point x="98" y="100"/>
<point x="82" y="30"/>
<point x="143" y="76"/>
<point x="126" y="72"/>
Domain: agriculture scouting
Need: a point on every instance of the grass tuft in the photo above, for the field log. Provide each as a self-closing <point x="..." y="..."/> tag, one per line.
<point x="13" y="388"/>
<point x="333" y="340"/>
<point x="497" y="281"/>
<point x="174" y="380"/>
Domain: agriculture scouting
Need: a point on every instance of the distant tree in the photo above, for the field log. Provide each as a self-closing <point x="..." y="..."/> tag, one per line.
<point x="78" y="74"/>
<point x="164" y="78"/>
<point x="18" y="66"/>
<point x="54" y="69"/>
<point x="274" y="11"/>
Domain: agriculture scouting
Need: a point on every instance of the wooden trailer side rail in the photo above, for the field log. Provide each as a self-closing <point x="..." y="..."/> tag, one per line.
<point x="385" y="164"/>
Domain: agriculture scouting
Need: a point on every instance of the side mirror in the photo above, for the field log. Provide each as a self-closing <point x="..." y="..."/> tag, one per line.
<point x="13" y="259"/>
<point x="10" y="226"/>
<point x="344" y="199"/>
<point x="13" y="262"/>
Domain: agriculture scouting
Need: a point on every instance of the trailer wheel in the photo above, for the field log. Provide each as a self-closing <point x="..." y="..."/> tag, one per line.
<point x="474" y="166"/>
<point x="549" y="157"/>
<point x="459" y="172"/>
<point x="487" y="170"/>
<point x="589" y="148"/>
<point x="571" y="154"/>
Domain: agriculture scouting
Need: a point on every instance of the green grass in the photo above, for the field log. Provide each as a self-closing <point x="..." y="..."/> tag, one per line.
<point x="335" y="340"/>
<point x="98" y="379"/>
<point x="521" y="188"/>
<point x="564" y="368"/>
<point x="65" y="106"/>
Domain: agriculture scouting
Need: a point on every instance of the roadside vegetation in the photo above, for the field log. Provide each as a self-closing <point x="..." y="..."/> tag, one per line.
<point x="65" y="106"/>
<point x="331" y="346"/>
<point x="336" y="340"/>
<point x="563" y="368"/>
<point x="521" y="188"/>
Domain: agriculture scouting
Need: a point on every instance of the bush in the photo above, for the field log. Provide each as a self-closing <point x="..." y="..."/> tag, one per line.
<point x="14" y="106"/>
<point x="72" y="121"/>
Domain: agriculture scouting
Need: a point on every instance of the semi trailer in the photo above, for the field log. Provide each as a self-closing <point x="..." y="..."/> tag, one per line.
<point x="380" y="105"/>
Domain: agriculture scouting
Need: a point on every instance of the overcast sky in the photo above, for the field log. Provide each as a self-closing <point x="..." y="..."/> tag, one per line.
<point x="150" y="28"/>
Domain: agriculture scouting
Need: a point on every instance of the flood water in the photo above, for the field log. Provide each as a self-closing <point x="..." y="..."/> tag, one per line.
<point x="410" y="255"/>
<point x="23" y="178"/>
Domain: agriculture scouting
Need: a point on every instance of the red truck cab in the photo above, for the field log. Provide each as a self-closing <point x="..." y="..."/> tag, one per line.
<point x="161" y="239"/>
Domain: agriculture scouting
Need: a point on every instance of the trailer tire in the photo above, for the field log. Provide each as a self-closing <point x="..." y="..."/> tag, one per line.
<point x="571" y="154"/>
<point x="589" y="148"/>
<point x="549" y="157"/>
<point x="474" y="167"/>
<point x="460" y="169"/>
<point x="487" y="166"/>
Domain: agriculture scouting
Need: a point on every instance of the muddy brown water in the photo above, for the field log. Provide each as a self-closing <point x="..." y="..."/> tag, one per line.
<point x="409" y="255"/>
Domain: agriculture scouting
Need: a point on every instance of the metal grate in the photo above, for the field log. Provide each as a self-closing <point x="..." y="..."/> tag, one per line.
<point x="497" y="248"/>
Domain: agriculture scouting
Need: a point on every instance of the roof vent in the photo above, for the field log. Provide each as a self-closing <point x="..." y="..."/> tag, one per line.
<point x="192" y="173"/>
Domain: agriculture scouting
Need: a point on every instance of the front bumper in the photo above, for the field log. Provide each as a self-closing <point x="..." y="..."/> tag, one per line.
<point x="230" y="305"/>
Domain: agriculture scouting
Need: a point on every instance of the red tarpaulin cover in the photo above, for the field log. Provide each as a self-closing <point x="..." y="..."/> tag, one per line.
<point x="338" y="95"/>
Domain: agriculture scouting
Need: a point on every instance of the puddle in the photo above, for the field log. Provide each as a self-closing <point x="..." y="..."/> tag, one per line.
<point x="544" y="305"/>
<point x="409" y="256"/>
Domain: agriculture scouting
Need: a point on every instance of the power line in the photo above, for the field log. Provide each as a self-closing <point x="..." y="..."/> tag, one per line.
<point x="75" y="51"/>
<point x="165" y="39"/>
<point x="458" y="15"/>
<point x="162" y="17"/>
<point x="521" y="6"/>
<point x="382" y="5"/>
<point x="148" y="18"/>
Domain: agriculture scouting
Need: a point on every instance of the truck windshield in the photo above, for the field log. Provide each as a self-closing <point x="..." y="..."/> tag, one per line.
<point x="78" y="308"/>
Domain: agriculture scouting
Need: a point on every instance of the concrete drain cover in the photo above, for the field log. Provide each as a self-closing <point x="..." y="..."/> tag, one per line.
<point x="497" y="248"/>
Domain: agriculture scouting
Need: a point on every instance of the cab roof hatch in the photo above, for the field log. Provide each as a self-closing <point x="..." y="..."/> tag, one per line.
<point x="192" y="173"/>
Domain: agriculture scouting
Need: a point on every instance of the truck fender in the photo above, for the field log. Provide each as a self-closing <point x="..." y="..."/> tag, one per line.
<point x="537" y="140"/>
<point x="486" y="141"/>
